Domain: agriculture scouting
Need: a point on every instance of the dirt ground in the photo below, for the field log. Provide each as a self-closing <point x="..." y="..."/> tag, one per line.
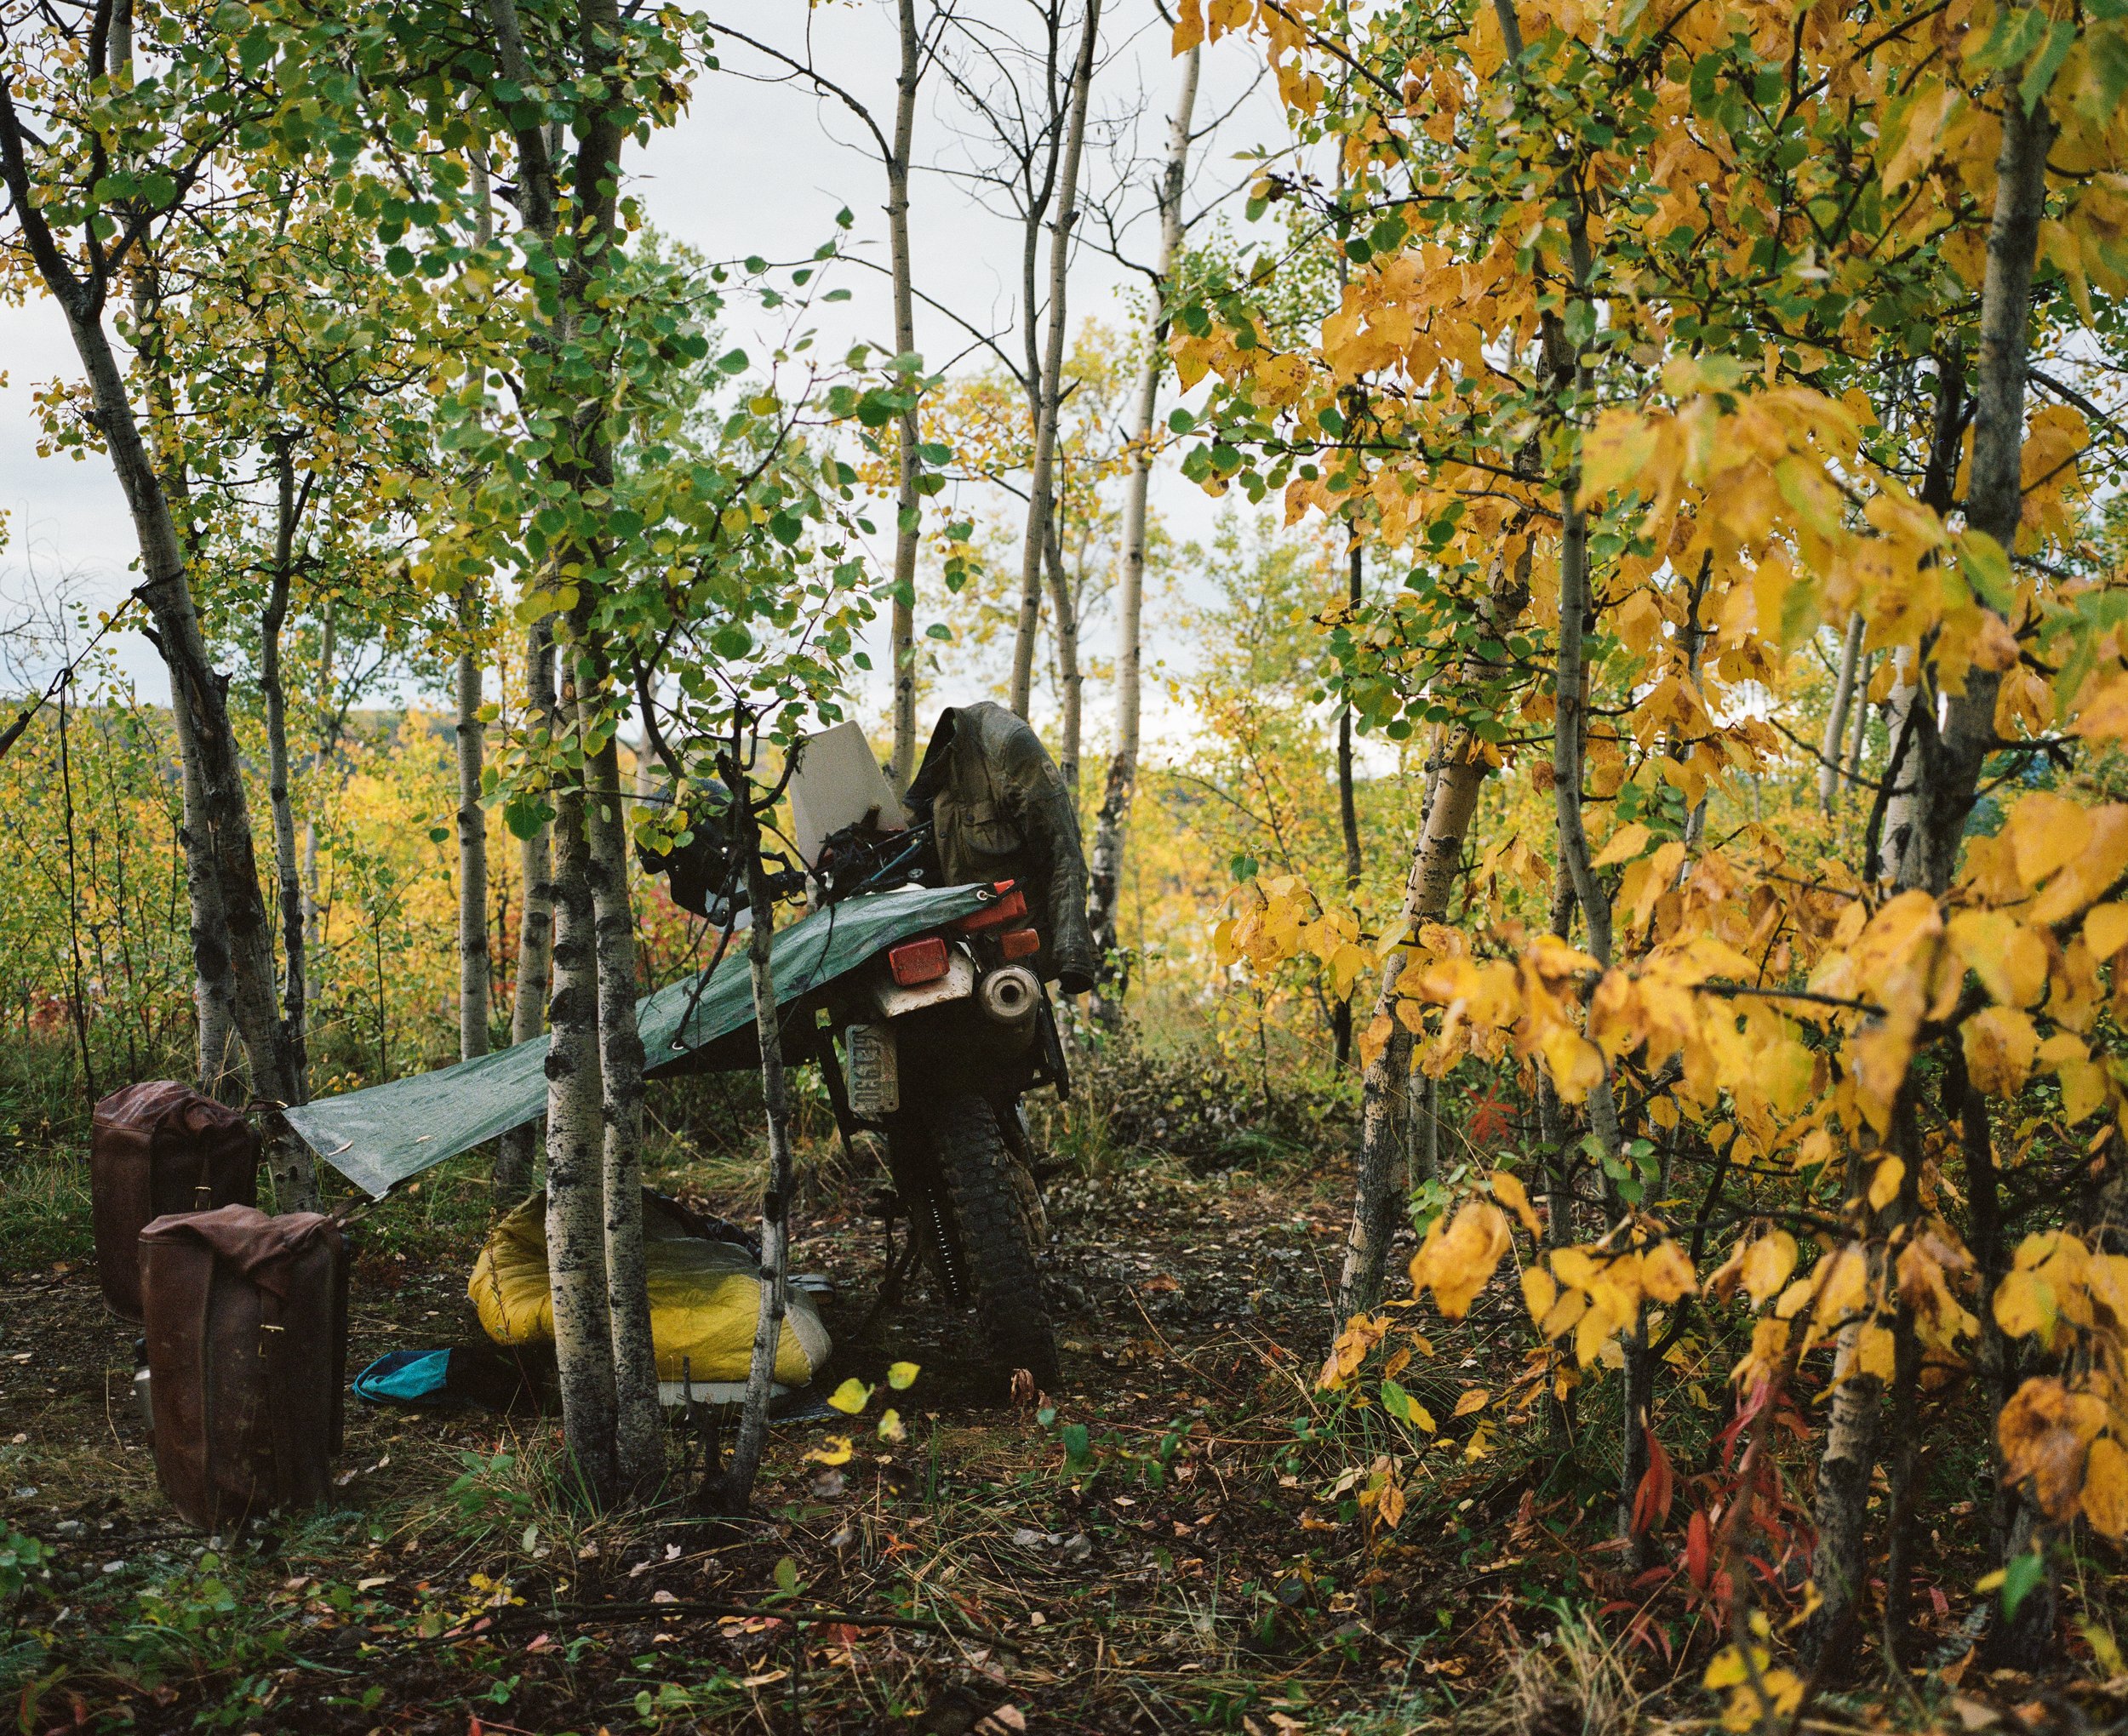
<point x="1181" y="1567"/>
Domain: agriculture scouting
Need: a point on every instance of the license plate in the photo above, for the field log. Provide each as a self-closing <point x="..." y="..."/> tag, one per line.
<point x="875" y="1085"/>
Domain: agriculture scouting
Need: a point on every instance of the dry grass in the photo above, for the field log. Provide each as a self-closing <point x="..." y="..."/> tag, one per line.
<point x="1575" y="1684"/>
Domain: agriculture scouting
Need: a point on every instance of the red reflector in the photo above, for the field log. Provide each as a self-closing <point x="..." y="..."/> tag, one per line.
<point x="995" y="915"/>
<point x="918" y="961"/>
<point x="1019" y="943"/>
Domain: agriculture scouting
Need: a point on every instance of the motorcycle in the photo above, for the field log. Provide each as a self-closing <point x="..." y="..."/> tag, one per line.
<point x="939" y="1038"/>
<point x="931" y="1044"/>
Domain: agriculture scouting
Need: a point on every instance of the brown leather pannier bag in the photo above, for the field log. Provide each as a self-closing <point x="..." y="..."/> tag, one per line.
<point x="247" y="1333"/>
<point x="154" y="1149"/>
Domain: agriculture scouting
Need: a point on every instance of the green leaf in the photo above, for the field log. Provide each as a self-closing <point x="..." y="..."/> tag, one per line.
<point x="2037" y="81"/>
<point x="2022" y="1576"/>
<point x="786" y="1577"/>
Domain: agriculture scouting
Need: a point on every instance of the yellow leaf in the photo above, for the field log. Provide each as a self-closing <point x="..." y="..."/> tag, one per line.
<point x="1767" y="1263"/>
<point x="1884" y="1186"/>
<point x="2009" y="958"/>
<point x="2105" y="1497"/>
<point x="901" y="1376"/>
<point x="1376" y="1038"/>
<point x="1626" y="842"/>
<point x="1846" y="1286"/>
<point x="2024" y="1305"/>
<point x="2000" y="1044"/>
<point x="2082" y="1089"/>
<point x="835" y="1450"/>
<point x="1507" y="1189"/>
<point x="1389" y="1505"/>
<point x="850" y="1396"/>
<point x="1473" y="1401"/>
<point x="890" y="1427"/>
<point x="1577" y="1065"/>
<point x="2046" y="831"/>
<point x="1539" y="1292"/>
<point x="2106" y="930"/>
<point x="1665" y="1273"/>
<point x="1460" y="1264"/>
<point x="1868" y="1350"/>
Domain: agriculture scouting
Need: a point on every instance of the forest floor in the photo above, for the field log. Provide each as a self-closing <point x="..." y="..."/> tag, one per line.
<point x="1198" y="1562"/>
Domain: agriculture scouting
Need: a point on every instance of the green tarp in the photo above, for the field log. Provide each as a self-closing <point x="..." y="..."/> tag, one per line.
<point x="379" y="1137"/>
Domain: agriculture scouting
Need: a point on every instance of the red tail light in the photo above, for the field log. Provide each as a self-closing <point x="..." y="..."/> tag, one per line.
<point x="996" y="914"/>
<point x="1019" y="943"/>
<point x="915" y="962"/>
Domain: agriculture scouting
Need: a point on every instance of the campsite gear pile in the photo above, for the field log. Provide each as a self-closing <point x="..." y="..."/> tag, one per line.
<point x="245" y="1314"/>
<point x="704" y="1284"/>
<point x="924" y="1001"/>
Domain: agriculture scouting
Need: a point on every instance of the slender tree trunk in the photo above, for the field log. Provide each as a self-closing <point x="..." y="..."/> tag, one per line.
<point x="598" y="983"/>
<point x="214" y="989"/>
<point x="575" y="1163"/>
<point x="235" y="943"/>
<point x="1994" y="505"/>
<point x="639" y="1448"/>
<point x="288" y="870"/>
<point x="1896" y="860"/>
<point x="909" y="505"/>
<point x="1047" y="385"/>
<point x="1434" y="864"/>
<point x="1348" y="819"/>
<point x="1946" y="768"/>
<point x="472" y="841"/>
<point x="775" y="1206"/>
<point x="535" y="926"/>
<point x="1859" y="735"/>
<point x="1901" y="1525"/>
<point x="1836" y="716"/>
<point x="1065" y="607"/>
<point x="1111" y="827"/>
<point x="327" y="745"/>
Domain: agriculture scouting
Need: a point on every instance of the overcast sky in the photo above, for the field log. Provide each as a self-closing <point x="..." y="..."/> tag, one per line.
<point x="759" y="169"/>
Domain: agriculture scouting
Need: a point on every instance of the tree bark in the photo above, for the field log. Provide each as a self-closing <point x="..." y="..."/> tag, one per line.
<point x="288" y="869"/>
<point x="909" y="505"/>
<point x="472" y="841"/>
<point x="638" y="1438"/>
<point x="1048" y="383"/>
<point x="327" y="744"/>
<point x="1836" y="717"/>
<point x="1348" y="823"/>
<point x="1435" y="863"/>
<point x="575" y="1163"/>
<point x="535" y="927"/>
<point x="775" y="1206"/>
<point x="1946" y="775"/>
<point x="1858" y="737"/>
<point x="1064" y="606"/>
<point x="1111" y="827"/>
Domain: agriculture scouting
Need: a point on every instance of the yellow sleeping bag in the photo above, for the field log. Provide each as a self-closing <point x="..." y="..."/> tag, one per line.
<point x="705" y="1297"/>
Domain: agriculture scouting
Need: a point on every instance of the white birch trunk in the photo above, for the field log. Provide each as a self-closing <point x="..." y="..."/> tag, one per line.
<point x="1040" y="480"/>
<point x="1111" y="827"/>
<point x="472" y="843"/>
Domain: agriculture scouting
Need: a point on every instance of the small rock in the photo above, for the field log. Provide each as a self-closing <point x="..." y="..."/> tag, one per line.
<point x="114" y="1566"/>
<point x="1078" y="1548"/>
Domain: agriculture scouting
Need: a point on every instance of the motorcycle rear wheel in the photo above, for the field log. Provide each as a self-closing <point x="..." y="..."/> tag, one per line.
<point x="988" y="1250"/>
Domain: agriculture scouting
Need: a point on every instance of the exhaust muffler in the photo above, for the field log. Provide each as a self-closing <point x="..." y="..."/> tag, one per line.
<point x="1010" y="996"/>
